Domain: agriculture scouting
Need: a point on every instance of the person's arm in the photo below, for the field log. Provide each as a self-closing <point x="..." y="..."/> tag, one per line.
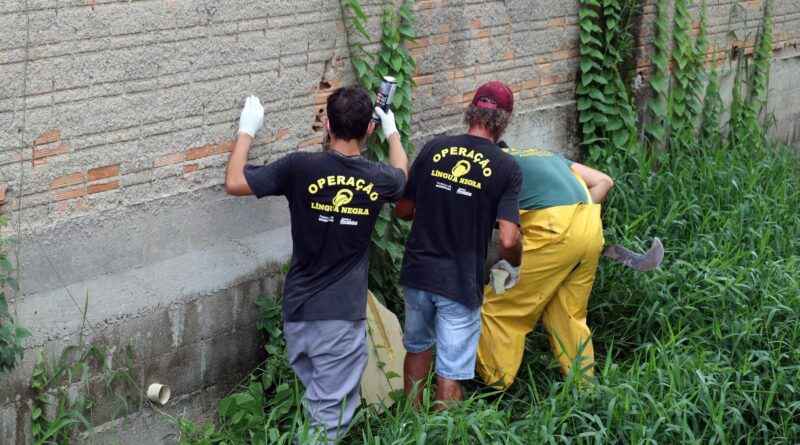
<point x="397" y="155"/>
<point x="404" y="209"/>
<point x="510" y="243"/>
<point x="598" y="182"/>
<point x="250" y="121"/>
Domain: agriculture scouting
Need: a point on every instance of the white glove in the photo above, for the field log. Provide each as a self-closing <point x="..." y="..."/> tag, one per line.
<point x="252" y="116"/>
<point x="387" y="121"/>
<point x="513" y="273"/>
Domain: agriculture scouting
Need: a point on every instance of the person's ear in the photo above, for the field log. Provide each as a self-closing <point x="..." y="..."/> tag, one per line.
<point x="370" y="127"/>
<point x="327" y="124"/>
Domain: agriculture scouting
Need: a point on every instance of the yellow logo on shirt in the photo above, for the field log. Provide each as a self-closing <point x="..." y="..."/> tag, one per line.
<point x="358" y="184"/>
<point x="461" y="168"/>
<point x="343" y="197"/>
<point x="463" y="152"/>
<point x="525" y="152"/>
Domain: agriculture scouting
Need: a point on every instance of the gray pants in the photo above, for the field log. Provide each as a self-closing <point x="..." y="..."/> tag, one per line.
<point x="329" y="357"/>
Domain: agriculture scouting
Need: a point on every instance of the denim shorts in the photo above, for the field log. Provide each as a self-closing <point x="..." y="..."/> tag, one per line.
<point x="454" y="328"/>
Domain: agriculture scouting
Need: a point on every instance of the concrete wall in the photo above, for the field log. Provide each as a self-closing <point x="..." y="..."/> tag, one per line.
<point x="116" y="118"/>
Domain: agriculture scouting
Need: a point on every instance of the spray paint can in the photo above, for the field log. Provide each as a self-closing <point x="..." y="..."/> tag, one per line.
<point x="385" y="95"/>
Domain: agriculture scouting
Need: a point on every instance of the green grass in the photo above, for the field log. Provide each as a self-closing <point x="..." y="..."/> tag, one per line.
<point x="701" y="350"/>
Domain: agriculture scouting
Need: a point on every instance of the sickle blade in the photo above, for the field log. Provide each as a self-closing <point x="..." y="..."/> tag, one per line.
<point x="641" y="262"/>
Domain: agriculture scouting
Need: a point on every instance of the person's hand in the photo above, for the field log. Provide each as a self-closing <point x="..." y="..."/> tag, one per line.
<point x="252" y="116"/>
<point x="513" y="273"/>
<point x="387" y="121"/>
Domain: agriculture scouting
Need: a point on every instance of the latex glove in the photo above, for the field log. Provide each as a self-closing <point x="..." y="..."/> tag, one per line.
<point x="513" y="273"/>
<point x="252" y="116"/>
<point x="387" y="121"/>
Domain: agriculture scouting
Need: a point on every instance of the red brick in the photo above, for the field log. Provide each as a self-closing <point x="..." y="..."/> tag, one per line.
<point x="484" y="33"/>
<point x="444" y="27"/>
<point x="39" y="153"/>
<point x="456" y="74"/>
<point x="48" y="137"/>
<point x="104" y="187"/>
<point x="450" y="100"/>
<point x="39" y="163"/>
<point x="467" y="98"/>
<point x="552" y="23"/>
<point x="426" y="5"/>
<point x="423" y="80"/>
<point x="561" y="55"/>
<point x="440" y="39"/>
<point x="2" y="195"/>
<point x="532" y="83"/>
<point x="545" y="67"/>
<point x="172" y="158"/>
<point x="68" y="180"/>
<point x="199" y="152"/>
<point x="515" y="87"/>
<point x="476" y="23"/>
<point x="103" y="172"/>
<point x="508" y="55"/>
<point x="550" y="80"/>
<point x="282" y="133"/>
<point x="68" y="194"/>
<point x="223" y="147"/>
<point x="16" y="157"/>
<point x="316" y="140"/>
<point x="418" y="43"/>
<point x="188" y="168"/>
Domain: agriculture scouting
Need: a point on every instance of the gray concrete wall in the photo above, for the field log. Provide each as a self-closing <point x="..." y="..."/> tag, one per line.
<point x="116" y="118"/>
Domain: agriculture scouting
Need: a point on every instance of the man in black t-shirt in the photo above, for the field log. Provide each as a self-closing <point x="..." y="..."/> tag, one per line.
<point x="458" y="189"/>
<point x="334" y="198"/>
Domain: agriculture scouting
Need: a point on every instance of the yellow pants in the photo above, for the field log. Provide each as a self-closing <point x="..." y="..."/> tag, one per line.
<point x="561" y="249"/>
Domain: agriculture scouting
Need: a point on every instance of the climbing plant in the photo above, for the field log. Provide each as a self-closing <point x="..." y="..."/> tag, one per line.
<point x="11" y="334"/>
<point x="392" y="59"/>
<point x="606" y="112"/>
<point x="750" y="86"/>
<point x="656" y="130"/>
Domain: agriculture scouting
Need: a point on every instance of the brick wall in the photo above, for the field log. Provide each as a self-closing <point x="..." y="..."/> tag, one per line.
<point x="116" y="118"/>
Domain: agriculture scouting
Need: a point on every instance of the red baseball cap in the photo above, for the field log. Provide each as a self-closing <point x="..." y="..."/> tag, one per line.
<point x="494" y="95"/>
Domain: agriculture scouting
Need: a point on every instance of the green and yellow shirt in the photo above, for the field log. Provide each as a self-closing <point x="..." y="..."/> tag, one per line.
<point x="547" y="180"/>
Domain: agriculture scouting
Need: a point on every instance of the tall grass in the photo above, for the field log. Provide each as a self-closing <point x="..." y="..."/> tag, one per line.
<point x="701" y="350"/>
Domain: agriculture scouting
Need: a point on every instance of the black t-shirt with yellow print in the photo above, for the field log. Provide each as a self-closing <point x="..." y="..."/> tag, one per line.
<point x="334" y="201"/>
<point x="461" y="186"/>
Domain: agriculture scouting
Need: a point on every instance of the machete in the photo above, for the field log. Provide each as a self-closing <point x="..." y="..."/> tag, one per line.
<point x="641" y="262"/>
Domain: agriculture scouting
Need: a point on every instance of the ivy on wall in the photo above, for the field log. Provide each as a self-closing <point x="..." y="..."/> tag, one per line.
<point x="606" y="112"/>
<point x="392" y="59"/>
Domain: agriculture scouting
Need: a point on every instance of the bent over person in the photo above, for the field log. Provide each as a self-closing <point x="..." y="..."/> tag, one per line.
<point x="334" y="199"/>
<point x="562" y="238"/>
<point x="459" y="187"/>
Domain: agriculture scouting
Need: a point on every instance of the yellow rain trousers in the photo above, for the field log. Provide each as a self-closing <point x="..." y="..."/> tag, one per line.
<point x="561" y="249"/>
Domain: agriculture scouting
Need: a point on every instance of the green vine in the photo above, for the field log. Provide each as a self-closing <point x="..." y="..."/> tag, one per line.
<point x="684" y="84"/>
<point x="393" y="59"/>
<point x="747" y="106"/>
<point x="656" y="130"/>
<point x="11" y="334"/>
<point x="605" y="107"/>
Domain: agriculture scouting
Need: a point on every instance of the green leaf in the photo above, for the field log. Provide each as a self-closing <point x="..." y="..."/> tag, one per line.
<point x="407" y="32"/>
<point x="620" y="137"/>
<point x="656" y="130"/>
<point x="397" y="62"/>
<point x="405" y="13"/>
<point x="360" y="66"/>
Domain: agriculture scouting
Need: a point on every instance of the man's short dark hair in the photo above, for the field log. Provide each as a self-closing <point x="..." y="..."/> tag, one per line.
<point x="349" y="111"/>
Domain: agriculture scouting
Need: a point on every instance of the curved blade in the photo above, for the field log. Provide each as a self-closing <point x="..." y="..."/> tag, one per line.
<point x="641" y="262"/>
